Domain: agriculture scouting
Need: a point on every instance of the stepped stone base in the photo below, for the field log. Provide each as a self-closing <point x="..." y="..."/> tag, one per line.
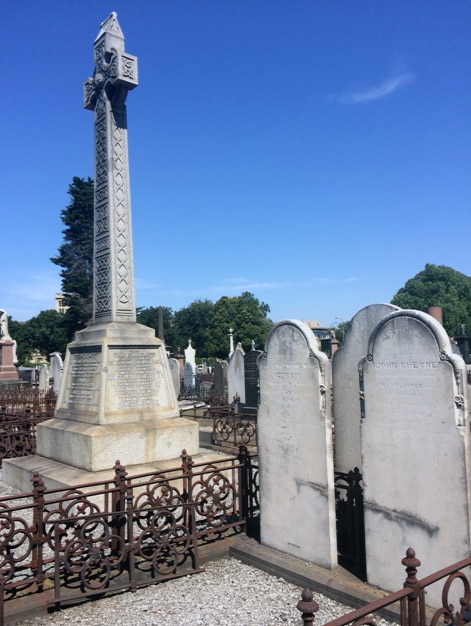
<point x="93" y="447"/>
<point x="18" y="472"/>
<point x="116" y="401"/>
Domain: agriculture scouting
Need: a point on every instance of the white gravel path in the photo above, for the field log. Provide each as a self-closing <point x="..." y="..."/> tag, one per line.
<point x="228" y="593"/>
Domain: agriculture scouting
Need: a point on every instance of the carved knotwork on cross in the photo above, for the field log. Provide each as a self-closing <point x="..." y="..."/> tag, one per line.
<point x="115" y="70"/>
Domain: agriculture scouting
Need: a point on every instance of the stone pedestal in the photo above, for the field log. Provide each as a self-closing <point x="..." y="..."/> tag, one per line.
<point x="117" y="401"/>
<point x="8" y="371"/>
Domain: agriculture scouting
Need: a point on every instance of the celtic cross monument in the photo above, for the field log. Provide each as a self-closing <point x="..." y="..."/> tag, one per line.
<point x="117" y="399"/>
<point x="115" y="74"/>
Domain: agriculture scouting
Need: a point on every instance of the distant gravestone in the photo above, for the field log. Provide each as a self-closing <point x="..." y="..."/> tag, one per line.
<point x="34" y="375"/>
<point x="190" y="353"/>
<point x="251" y="379"/>
<point x="175" y="374"/>
<point x="189" y="375"/>
<point x="414" y="446"/>
<point x="44" y="376"/>
<point x="346" y="385"/>
<point x="218" y="374"/>
<point x="295" y="446"/>
<point x="56" y="370"/>
<point x="236" y="375"/>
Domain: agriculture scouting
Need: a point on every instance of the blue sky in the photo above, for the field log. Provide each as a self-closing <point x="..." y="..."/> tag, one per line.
<point x="315" y="153"/>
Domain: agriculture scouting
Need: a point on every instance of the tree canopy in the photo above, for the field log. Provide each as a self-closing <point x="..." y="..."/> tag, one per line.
<point x="207" y="324"/>
<point x="150" y="317"/>
<point x="44" y="333"/>
<point x="246" y="315"/>
<point x="439" y="285"/>
<point x="191" y="322"/>
<point x="75" y="255"/>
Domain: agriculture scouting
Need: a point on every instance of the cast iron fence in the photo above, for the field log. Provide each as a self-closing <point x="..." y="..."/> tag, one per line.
<point x="124" y="533"/>
<point x="234" y="430"/>
<point x="21" y="410"/>
<point x="229" y="429"/>
<point x="413" y="610"/>
<point x="350" y="522"/>
<point x="28" y="400"/>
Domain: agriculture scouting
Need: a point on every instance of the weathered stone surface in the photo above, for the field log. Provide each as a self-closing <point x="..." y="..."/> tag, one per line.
<point x="251" y="375"/>
<point x="189" y="375"/>
<point x="236" y="375"/>
<point x="116" y="373"/>
<point x="346" y="385"/>
<point x="175" y="374"/>
<point x="295" y="446"/>
<point x="414" y="447"/>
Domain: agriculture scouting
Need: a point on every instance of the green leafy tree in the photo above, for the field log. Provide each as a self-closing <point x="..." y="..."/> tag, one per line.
<point x="340" y="331"/>
<point x="44" y="333"/>
<point x="75" y="256"/>
<point x="149" y="316"/>
<point x="191" y="322"/>
<point x="439" y="285"/>
<point x="246" y="315"/>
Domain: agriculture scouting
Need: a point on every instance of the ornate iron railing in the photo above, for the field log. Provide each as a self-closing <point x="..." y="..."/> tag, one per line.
<point x="412" y="599"/>
<point x="235" y="430"/>
<point x="230" y="429"/>
<point x="123" y="533"/>
<point x="21" y="410"/>
<point x="27" y="401"/>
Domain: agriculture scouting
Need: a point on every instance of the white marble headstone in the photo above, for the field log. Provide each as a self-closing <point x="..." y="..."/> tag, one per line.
<point x="414" y="448"/>
<point x="175" y="374"/>
<point x="346" y="384"/>
<point x="236" y="375"/>
<point x="295" y="446"/>
<point x="189" y="375"/>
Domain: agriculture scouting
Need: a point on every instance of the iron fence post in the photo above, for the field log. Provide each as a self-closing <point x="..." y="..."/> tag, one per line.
<point x="187" y="492"/>
<point x="118" y="503"/>
<point x="131" y="542"/>
<point x="307" y="606"/>
<point x="411" y="564"/>
<point x="244" y="469"/>
<point x="38" y="528"/>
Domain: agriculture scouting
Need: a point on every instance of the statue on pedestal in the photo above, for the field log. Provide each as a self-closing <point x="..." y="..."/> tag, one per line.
<point x="4" y="334"/>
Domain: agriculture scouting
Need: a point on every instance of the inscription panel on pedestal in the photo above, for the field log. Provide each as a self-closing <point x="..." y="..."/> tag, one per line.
<point x="83" y="377"/>
<point x="136" y="379"/>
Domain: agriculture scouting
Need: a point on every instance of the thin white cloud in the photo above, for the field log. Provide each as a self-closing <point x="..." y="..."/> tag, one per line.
<point x="385" y="89"/>
<point x="348" y="279"/>
<point x="236" y="285"/>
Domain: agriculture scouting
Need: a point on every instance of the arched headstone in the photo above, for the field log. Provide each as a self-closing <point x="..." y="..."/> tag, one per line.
<point x="346" y="384"/>
<point x="414" y="448"/>
<point x="295" y="446"/>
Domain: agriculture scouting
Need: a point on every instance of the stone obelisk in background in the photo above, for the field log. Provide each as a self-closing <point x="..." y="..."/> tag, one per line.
<point x="117" y="399"/>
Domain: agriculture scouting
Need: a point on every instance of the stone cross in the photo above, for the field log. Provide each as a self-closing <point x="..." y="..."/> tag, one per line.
<point x="115" y="74"/>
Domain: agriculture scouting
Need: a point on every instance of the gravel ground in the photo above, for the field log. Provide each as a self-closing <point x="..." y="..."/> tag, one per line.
<point x="228" y="593"/>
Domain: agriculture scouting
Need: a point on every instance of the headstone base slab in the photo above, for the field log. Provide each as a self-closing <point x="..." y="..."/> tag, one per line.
<point x="93" y="448"/>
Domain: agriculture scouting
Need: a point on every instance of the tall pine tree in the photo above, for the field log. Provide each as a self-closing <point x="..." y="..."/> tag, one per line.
<point x="75" y="256"/>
